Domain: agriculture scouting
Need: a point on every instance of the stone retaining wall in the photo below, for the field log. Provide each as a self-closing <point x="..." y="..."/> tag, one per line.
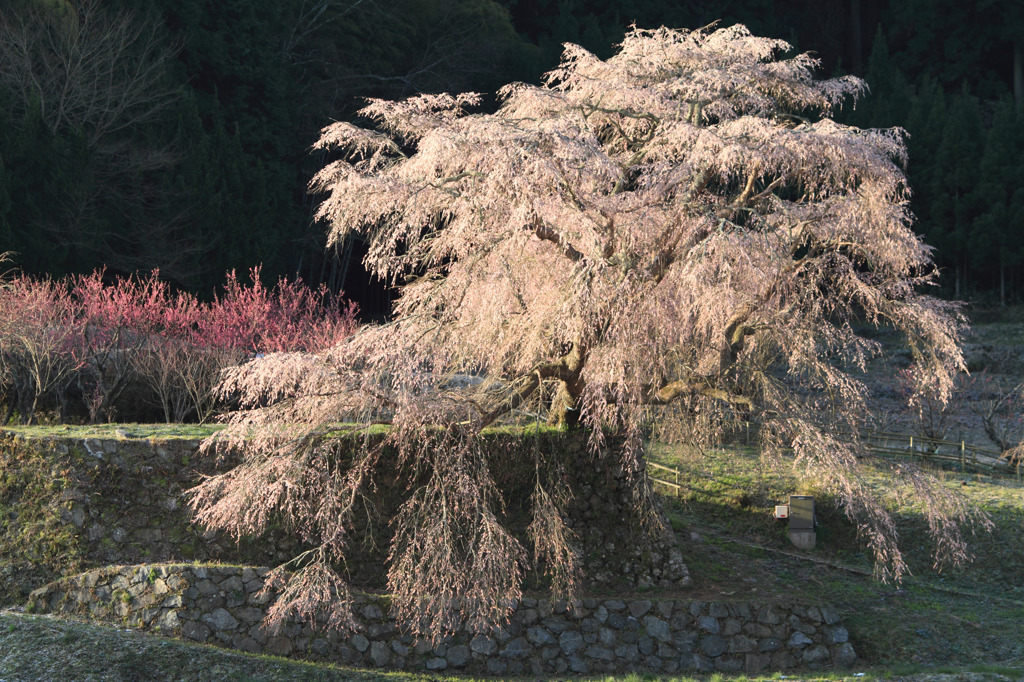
<point x="220" y="605"/>
<point x="125" y="499"/>
<point x="117" y="501"/>
<point x="123" y="504"/>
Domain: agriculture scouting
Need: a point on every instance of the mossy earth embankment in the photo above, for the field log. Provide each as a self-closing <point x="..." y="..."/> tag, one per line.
<point x="967" y="616"/>
<point x="68" y="504"/>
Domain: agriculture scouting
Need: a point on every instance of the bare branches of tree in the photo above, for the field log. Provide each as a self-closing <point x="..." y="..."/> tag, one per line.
<point x="85" y="69"/>
<point x="97" y="80"/>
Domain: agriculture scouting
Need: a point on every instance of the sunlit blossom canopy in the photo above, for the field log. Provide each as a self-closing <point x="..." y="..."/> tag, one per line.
<point x="678" y="231"/>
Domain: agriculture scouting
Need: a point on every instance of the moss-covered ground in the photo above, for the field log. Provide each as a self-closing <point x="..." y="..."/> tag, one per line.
<point x="116" y="431"/>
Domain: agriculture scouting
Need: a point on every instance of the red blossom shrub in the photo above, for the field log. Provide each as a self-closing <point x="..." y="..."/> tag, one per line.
<point x="39" y="352"/>
<point x="290" y="317"/>
<point x="93" y="339"/>
<point x="113" y="323"/>
<point x="171" y="363"/>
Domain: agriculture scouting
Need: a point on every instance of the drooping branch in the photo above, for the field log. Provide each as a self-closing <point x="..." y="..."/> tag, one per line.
<point x="668" y="244"/>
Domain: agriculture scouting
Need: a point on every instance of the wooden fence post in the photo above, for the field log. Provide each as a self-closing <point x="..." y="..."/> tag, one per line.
<point x="963" y="458"/>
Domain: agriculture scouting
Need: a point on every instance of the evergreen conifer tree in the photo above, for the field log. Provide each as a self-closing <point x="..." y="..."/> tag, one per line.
<point x="952" y="201"/>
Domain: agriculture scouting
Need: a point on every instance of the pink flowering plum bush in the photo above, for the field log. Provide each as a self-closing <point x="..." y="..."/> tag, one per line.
<point x="86" y="341"/>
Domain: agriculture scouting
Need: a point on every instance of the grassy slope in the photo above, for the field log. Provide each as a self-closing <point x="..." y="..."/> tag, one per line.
<point x="955" y="617"/>
<point x="40" y="648"/>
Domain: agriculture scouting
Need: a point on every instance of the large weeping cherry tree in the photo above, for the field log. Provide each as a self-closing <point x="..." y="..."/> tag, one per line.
<point x="678" y="234"/>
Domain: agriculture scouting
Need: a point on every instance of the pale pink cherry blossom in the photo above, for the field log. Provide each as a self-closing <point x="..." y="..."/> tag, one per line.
<point x="679" y="233"/>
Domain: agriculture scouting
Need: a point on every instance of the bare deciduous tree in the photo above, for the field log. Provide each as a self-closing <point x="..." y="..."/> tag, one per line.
<point x="1000" y="410"/>
<point x="84" y="68"/>
<point x="101" y="75"/>
<point x="680" y="225"/>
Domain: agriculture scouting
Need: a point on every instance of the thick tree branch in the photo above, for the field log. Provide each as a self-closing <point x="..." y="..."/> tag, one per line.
<point x="546" y="233"/>
<point x="566" y="369"/>
<point x="608" y="250"/>
<point x="746" y="198"/>
<point x="736" y="332"/>
<point x="696" y="385"/>
<point x="748" y="190"/>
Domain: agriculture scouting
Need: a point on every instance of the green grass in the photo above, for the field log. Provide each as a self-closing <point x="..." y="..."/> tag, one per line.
<point x="40" y="648"/>
<point x="964" y="617"/>
<point x="116" y="431"/>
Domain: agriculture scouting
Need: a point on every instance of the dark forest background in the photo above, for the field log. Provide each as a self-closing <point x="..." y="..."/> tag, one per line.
<point x="176" y="134"/>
